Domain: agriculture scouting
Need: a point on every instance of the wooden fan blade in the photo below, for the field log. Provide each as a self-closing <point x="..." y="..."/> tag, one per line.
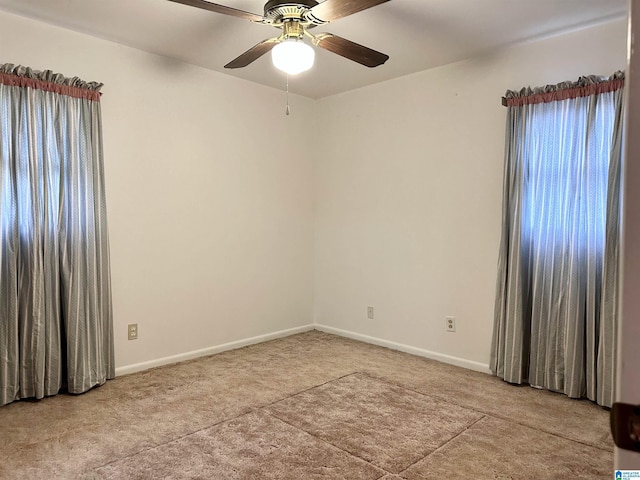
<point x="252" y="54"/>
<point x="351" y="50"/>
<point x="331" y="10"/>
<point x="214" y="7"/>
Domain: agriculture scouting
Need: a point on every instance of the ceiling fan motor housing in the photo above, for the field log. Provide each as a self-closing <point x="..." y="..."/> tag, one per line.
<point x="278" y="12"/>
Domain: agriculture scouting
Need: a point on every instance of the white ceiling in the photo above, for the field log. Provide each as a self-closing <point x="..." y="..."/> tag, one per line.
<point x="416" y="34"/>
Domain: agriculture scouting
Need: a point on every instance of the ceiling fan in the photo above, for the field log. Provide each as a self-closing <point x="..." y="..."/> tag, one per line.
<point x="295" y="18"/>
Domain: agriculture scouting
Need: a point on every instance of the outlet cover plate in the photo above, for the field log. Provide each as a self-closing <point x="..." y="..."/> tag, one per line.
<point x="132" y="331"/>
<point x="451" y="324"/>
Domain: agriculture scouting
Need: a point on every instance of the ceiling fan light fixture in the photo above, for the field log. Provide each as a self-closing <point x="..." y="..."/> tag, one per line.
<point x="293" y="56"/>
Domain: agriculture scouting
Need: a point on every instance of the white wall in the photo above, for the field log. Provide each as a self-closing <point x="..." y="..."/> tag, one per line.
<point x="210" y="219"/>
<point x="409" y="193"/>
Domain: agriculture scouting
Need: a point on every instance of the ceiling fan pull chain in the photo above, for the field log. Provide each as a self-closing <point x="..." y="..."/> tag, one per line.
<point x="287" y="110"/>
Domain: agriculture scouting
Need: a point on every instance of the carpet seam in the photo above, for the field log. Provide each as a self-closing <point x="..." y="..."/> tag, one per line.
<point x="489" y="414"/>
<point x="440" y="447"/>
<point x="306" y="390"/>
<point x="386" y="472"/>
<point x="353" y="455"/>
<point x="273" y="415"/>
<point x="176" y="439"/>
<point x="251" y="409"/>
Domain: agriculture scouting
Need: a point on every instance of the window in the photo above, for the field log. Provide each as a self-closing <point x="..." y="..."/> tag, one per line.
<point x="566" y="153"/>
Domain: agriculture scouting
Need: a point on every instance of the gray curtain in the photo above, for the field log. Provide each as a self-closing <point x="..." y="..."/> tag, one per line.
<point x="556" y="297"/>
<point x="55" y="295"/>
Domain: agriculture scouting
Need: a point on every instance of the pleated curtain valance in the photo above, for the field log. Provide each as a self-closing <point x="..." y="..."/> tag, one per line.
<point x="583" y="87"/>
<point x="48" y="81"/>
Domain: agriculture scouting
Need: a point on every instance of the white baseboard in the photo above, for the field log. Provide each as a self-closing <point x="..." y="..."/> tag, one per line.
<point x="138" y="367"/>
<point x="460" y="362"/>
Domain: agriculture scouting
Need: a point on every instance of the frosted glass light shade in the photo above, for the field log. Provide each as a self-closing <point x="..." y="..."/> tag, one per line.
<point x="293" y="56"/>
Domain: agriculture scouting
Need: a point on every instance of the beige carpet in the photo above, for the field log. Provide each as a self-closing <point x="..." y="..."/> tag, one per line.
<point x="308" y="406"/>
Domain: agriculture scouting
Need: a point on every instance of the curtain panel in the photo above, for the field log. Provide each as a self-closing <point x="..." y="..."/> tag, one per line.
<point x="556" y="311"/>
<point x="55" y="294"/>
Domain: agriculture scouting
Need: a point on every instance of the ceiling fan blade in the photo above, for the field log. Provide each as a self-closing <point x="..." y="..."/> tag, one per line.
<point x="252" y="54"/>
<point x="351" y="50"/>
<point x="214" y="7"/>
<point x="331" y="10"/>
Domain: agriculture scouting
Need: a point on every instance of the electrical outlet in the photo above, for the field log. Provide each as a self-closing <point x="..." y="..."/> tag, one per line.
<point x="370" y="313"/>
<point x="132" y="330"/>
<point x="451" y="324"/>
